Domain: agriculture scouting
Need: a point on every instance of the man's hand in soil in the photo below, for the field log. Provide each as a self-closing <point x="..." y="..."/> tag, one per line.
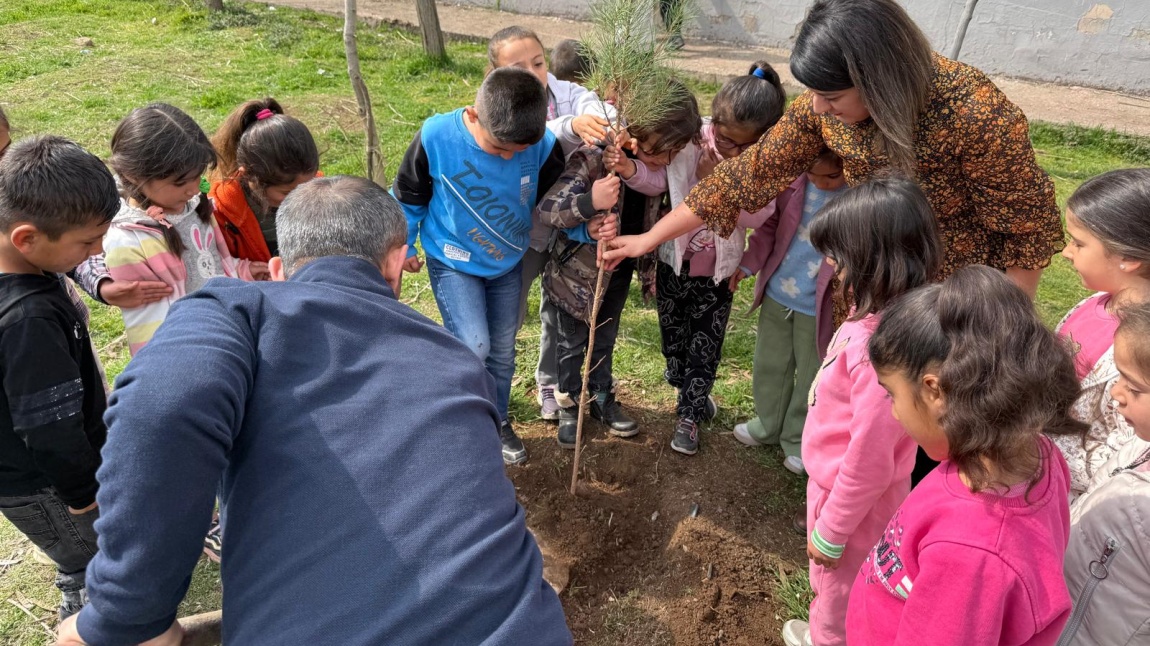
<point x="67" y="635"/>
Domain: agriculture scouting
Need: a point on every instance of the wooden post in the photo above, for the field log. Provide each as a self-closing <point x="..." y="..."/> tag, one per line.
<point x="374" y="158"/>
<point x="963" y="23"/>
<point x="429" y="29"/>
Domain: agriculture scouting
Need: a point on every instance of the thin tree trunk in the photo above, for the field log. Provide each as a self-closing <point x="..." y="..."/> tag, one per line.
<point x="429" y="29"/>
<point x="963" y="23"/>
<point x="215" y="5"/>
<point x="584" y="400"/>
<point x="374" y="158"/>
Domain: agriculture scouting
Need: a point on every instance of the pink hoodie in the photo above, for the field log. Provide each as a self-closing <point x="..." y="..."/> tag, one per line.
<point x="971" y="569"/>
<point x="853" y="447"/>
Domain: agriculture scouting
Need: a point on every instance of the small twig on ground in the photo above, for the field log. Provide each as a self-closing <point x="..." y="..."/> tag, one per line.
<point x="657" y="458"/>
<point x="39" y="621"/>
<point x="116" y="341"/>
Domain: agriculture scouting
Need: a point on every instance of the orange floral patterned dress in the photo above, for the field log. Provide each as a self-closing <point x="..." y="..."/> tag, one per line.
<point x="994" y="205"/>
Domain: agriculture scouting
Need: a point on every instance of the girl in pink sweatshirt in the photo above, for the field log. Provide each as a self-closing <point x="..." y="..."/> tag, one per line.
<point x="974" y="555"/>
<point x="882" y="239"/>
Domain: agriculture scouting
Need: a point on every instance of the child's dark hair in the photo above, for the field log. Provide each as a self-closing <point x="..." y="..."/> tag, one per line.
<point x="271" y="147"/>
<point x="828" y="155"/>
<point x="569" y="62"/>
<point x="514" y="32"/>
<point x="678" y="126"/>
<point x="1115" y="207"/>
<point x="883" y="236"/>
<point x="1004" y="375"/>
<point x="512" y="106"/>
<point x="55" y="185"/>
<point x="755" y="100"/>
<point x="1134" y="325"/>
<point x="160" y="141"/>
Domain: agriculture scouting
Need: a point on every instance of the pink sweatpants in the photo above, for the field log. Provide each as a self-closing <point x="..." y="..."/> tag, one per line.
<point x="833" y="587"/>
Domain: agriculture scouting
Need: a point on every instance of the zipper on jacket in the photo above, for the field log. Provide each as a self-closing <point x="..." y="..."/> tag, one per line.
<point x="1099" y="570"/>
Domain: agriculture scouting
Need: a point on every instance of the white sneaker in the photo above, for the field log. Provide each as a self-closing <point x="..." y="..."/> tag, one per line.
<point x="794" y="464"/>
<point x="797" y="632"/>
<point x="743" y="435"/>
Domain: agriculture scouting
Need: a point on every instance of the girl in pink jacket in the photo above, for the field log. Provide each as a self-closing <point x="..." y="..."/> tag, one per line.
<point x="973" y="557"/>
<point x="882" y="239"/>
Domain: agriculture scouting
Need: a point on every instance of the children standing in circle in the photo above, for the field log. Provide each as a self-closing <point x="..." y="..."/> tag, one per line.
<point x="796" y="321"/>
<point x="974" y="554"/>
<point x="883" y="241"/>
<point x="165" y="229"/>
<point x="1108" y="557"/>
<point x="694" y="276"/>
<point x="263" y="155"/>
<point x="576" y="116"/>
<point x="1108" y="221"/>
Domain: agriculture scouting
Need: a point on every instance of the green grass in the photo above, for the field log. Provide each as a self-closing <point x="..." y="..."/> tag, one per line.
<point x="155" y="50"/>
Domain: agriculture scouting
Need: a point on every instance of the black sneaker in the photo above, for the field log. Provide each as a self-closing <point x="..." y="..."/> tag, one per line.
<point x="611" y="414"/>
<point x="513" y="450"/>
<point x="568" y="427"/>
<point x="712" y="409"/>
<point x="686" y="440"/>
<point x="213" y="542"/>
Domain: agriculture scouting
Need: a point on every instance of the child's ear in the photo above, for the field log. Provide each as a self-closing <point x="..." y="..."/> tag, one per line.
<point x="276" y="269"/>
<point x="24" y="237"/>
<point x="471" y="113"/>
<point x="1130" y="265"/>
<point x="932" y="395"/>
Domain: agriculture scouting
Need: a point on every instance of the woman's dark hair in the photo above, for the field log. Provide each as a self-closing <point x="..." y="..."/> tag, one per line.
<point x="1115" y="207"/>
<point x="883" y="237"/>
<point x="160" y="141"/>
<point x="271" y="147"/>
<point x="755" y="100"/>
<point x="874" y="46"/>
<point x="1004" y="375"/>
<point x="1134" y="325"/>
<point x="677" y="127"/>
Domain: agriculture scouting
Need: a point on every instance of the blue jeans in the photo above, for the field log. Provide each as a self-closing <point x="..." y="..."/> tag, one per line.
<point x="484" y="314"/>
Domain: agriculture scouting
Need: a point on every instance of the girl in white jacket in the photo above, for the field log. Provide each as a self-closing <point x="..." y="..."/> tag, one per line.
<point x="575" y="115"/>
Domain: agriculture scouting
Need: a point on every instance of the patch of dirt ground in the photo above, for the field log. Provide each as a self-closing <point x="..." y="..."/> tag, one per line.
<point x="643" y="571"/>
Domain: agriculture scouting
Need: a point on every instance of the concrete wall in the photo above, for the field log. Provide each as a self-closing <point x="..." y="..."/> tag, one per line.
<point x="1080" y="42"/>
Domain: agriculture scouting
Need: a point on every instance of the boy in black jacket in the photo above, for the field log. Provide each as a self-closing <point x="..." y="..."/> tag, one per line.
<point x="56" y="202"/>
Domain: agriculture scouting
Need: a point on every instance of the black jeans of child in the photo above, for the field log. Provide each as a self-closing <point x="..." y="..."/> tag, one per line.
<point x="573" y="334"/>
<point x="693" y="313"/>
<point x="67" y="538"/>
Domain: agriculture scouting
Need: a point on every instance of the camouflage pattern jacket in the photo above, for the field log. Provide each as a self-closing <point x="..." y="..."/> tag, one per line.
<point x="569" y="275"/>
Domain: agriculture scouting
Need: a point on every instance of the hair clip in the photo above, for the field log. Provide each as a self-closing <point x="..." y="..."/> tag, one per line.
<point x="759" y="73"/>
<point x="157" y="214"/>
<point x="264" y="114"/>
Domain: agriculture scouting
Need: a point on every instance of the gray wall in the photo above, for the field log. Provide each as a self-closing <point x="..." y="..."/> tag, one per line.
<point x="1080" y="42"/>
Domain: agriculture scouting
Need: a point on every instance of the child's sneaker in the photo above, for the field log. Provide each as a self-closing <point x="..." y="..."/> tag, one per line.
<point x="794" y="464"/>
<point x="513" y="450"/>
<point x="686" y="440"/>
<point x="712" y="409"/>
<point x="213" y="542"/>
<point x="548" y="406"/>
<point x="610" y="413"/>
<point x="743" y="435"/>
<point x="797" y="632"/>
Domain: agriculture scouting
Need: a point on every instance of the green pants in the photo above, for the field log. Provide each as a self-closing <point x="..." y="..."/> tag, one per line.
<point x="786" y="362"/>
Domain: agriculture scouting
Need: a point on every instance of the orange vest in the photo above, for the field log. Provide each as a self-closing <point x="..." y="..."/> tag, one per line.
<point x="239" y="225"/>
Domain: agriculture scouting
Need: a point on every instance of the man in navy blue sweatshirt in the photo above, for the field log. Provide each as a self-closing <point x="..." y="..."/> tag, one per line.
<point x="364" y="499"/>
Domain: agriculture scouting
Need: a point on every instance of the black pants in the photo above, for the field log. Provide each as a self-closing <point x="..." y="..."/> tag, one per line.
<point x="573" y="334"/>
<point x="693" y="313"/>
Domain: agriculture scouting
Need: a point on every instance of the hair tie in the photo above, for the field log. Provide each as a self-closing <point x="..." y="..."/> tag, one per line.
<point x="266" y="113"/>
<point x="759" y="73"/>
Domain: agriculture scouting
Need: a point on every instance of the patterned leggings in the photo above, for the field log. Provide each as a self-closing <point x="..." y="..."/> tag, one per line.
<point x="693" y="313"/>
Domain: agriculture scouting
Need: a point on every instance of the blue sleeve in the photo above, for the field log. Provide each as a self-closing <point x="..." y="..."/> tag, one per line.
<point x="413" y="188"/>
<point x="579" y="234"/>
<point x="166" y="451"/>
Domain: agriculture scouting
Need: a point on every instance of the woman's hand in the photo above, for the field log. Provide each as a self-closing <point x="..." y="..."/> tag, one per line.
<point x="616" y="161"/>
<point x="590" y="128"/>
<point x="626" y="247"/>
<point x="605" y="192"/>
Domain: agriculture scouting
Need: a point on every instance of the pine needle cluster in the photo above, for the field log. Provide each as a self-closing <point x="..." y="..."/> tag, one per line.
<point x="630" y="58"/>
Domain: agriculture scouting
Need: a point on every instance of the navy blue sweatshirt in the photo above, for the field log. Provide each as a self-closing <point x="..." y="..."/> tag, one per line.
<point x="364" y="494"/>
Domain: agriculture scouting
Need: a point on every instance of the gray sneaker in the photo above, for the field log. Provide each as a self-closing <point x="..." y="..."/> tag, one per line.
<point x="686" y="440"/>
<point x="548" y="406"/>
